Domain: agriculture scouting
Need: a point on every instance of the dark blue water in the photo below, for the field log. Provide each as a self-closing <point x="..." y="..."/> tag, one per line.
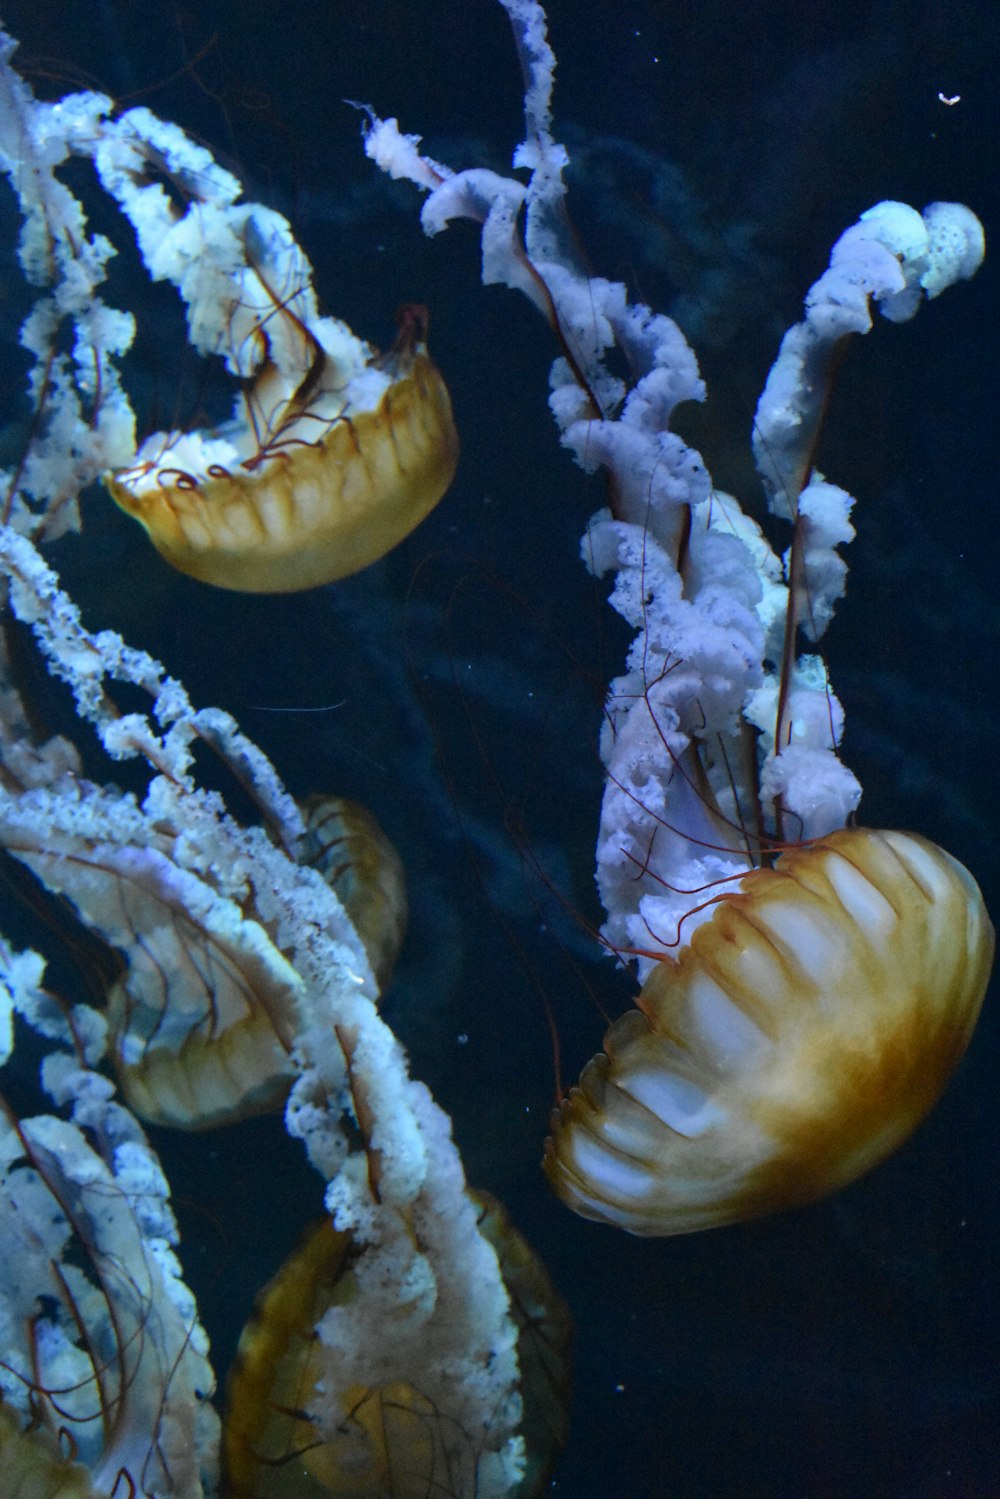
<point x="848" y="1349"/>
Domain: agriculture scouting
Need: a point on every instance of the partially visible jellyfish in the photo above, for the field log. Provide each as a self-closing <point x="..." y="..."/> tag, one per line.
<point x="393" y="1439"/>
<point x="35" y="1467"/>
<point x="104" y="1375"/>
<point x="344" y="842"/>
<point x="204" y="1016"/>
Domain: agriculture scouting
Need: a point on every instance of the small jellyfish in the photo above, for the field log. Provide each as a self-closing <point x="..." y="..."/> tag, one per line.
<point x="333" y="452"/>
<point x="305" y="485"/>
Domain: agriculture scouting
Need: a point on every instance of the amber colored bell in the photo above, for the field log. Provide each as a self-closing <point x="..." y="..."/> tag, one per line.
<point x="390" y="1438"/>
<point x="308" y="485"/>
<point x="801" y="1036"/>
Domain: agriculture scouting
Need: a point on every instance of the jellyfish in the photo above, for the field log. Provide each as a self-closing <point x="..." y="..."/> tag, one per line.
<point x="333" y="453"/>
<point x="808" y="985"/>
<point x="345" y="843"/>
<point x="105" y="1381"/>
<point x="318" y="475"/>
<point x="392" y="1438"/>
<point x="204" y="1007"/>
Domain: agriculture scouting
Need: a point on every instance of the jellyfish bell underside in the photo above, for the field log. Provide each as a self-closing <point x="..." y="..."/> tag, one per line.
<point x="331" y="485"/>
<point x="800" y="1037"/>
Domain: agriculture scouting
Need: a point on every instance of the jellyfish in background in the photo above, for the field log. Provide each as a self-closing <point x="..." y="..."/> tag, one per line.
<point x="807" y="991"/>
<point x="242" y="983"/>
<point x="654" y="1378"/>
<point x="105" y="1377"/>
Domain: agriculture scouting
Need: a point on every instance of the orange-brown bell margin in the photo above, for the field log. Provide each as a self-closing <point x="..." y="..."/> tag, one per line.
<point x="859" y="962"/>
<point x="308" y="514"/>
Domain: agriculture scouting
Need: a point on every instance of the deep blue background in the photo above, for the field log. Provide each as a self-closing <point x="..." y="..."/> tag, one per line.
<point x="850" y="1349"/>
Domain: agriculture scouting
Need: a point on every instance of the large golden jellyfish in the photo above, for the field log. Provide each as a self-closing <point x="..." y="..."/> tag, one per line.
<point x="823" y="982"/>
<point x="798" y="1039"/>
<point x="808" y="986"/>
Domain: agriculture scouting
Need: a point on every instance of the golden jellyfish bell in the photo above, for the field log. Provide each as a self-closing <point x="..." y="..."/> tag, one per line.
<point x="798" y="1039"/>
<point x="391" y="1440"/>
<point x="310" y="484"/>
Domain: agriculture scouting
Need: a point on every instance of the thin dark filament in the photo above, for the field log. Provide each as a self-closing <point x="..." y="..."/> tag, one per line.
<point x="639" y="952"/>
